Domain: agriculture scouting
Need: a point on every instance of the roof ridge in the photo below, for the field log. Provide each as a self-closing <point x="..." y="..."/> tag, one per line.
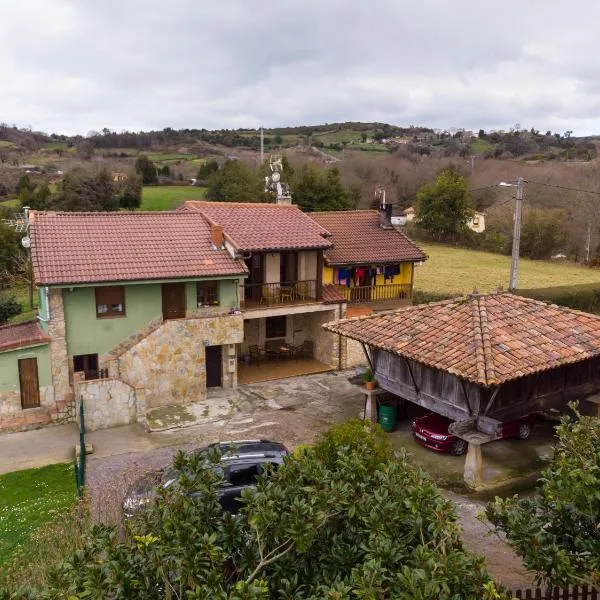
<point x="490" y="368"/>
<point x="478" y="339"/>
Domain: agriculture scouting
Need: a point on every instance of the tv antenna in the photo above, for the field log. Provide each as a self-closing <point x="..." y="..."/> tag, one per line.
<point x="20" y="224"/>
<point x="274" y="184"/>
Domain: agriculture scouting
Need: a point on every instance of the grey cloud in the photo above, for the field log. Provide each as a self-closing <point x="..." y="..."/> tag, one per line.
<point x="76" y="65"/>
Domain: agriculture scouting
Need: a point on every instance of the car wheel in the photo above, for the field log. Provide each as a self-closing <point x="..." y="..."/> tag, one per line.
<point x="524" y="431"/>
<point x="459" y="447"/>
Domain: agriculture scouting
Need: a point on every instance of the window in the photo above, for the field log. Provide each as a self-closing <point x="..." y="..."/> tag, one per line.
<point x="110" y="301"/>
<point x="276" y="327"/>
<point x="88" y="363"/>
<point x="207" y="293"/>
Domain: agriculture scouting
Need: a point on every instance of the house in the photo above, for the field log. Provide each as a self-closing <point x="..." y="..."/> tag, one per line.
<point x="477" y="222"/>
<point x="371" y="264"/>
<point x="284" y="300"/>
<point x="409" y="214"/>
<point x="137" y="310"/>
<point x="119" y="177"/>
<point x="482" y="361"/>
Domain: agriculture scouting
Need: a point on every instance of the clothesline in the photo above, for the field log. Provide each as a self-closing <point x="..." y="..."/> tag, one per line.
<point x="358" y="276"/>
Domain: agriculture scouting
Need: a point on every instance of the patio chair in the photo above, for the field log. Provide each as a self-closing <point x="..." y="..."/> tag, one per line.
<point x="306" y="349"/>
<point x="270" y="294"/>
<point x="302" y="290"/>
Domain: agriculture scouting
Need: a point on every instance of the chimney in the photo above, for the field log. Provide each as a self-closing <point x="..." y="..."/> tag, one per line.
<point x="216" y="235"/>
<point x="385" y="214"/>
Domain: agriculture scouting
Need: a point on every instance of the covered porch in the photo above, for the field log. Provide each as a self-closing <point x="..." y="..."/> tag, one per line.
<point x="286" y="342"/>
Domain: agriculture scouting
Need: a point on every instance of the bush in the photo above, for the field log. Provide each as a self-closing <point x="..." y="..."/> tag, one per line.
<point x="585" y="297"/>
<point x="421" y="297"/>
<point x="9" y="307"/>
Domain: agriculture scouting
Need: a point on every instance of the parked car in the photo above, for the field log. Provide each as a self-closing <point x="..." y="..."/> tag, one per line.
<point x="431" y="431"/>
<point x="240" y="464"/>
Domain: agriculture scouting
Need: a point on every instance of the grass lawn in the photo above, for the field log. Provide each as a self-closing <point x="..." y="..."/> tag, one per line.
<point x="459" y="271"/>
<point x="28" y="499"/>
<point x="168" y="197"/>
<point x="14" y="203"/>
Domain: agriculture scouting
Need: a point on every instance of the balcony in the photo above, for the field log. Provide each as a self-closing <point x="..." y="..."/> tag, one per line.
<point x="376" y="293"/>
<point x="263" y="295"/>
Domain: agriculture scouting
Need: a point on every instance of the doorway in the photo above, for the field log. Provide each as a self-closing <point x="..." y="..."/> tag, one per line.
<point x="173" y="301"/>
<point x="213" y="366"/>
<point x="28" y="382"/>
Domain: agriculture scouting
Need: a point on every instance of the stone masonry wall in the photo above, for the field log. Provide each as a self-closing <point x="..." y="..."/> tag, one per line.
<point x="106" y="402"/>
<point x="354" y="354"/>
<point x="170" y="362"/>
<point x="58" y="347"/>
<point x="326" y="343"/>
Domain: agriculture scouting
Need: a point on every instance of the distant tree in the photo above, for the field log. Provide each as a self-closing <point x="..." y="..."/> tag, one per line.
<point x="556" y="531"/>
<point x="147" y="169"/>
<point x="444" y="207"/>
<point x="165" y="171"/>
<point x="207" y="169"/>
<point x="25" y="189"/>
<point x="364" y="136"/>
<point x="84" y="150"/>
<point x="10" y="250"/>
<point x="80" y="190"/>
<point x="278" y="139"/>
<point x="39" y="198"/>
<point x="235" y="182"/>
<point x="481" y="134"/>
<point x="543" y="233"/>
<point x="130" y="192"/>
<point x="317" y="189"/>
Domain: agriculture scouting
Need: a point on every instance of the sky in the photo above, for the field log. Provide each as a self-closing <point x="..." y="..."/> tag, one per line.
<point x="75" y="66"/>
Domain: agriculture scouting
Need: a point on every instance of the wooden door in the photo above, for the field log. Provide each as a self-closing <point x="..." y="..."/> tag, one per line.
<point x="256" y="277"/>
<point x="213" y="366"/>
<point x="173" y="300"/>
<point x="28" y="382"/>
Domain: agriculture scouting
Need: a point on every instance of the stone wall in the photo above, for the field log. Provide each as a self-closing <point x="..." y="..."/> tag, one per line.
<point x="326" y="344"/>
<point x="58" y="347"/>
<point x="170" y="362"/>
<point x="106" y="403"/>
<point x="354" y="354"/>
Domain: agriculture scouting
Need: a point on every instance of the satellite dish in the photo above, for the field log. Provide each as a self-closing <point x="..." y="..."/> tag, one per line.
<point x="275" y="176"/>
<point x="26" y="242"/>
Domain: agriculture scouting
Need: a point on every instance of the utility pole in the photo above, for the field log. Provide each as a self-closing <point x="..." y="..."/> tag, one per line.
<point x="588" y="242"/>
<point x="262" y="146"/>
<point x="514" y="265"/>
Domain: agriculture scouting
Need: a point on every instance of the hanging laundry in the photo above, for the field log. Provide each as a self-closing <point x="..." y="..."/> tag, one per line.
<point x="343" y="274"/>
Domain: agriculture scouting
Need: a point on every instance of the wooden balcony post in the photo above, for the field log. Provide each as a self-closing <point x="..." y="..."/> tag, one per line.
<point x="319" y="290"/>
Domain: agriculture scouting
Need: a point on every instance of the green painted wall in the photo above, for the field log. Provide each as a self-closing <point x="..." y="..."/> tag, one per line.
<point x="9" y="366"/>
<point x="87" y="334"/>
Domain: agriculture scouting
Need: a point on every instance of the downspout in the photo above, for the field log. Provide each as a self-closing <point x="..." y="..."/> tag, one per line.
<point x="339" y="340"/>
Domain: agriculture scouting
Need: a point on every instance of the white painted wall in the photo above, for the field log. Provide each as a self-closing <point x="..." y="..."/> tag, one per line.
<point x="272" y="267"/>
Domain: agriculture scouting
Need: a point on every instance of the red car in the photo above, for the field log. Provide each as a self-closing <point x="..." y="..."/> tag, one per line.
<point x="431" y="431"/>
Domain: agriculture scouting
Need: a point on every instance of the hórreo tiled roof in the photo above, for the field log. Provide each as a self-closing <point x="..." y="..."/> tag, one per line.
<point x="358" y="239"/>
<point x="124" y="246"/>
<point x="23" y="334"/>
<point x="487" y="339"/>
<point x="262" y="227"/>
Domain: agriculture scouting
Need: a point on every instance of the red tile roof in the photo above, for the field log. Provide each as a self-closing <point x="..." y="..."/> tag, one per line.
<point x="123" y="246"/>
<point x="331" y="295"/>
<point x="359" y="240"/>
<point x="23" y="334"/>
<point x="256" y="227"/>
<point x="487" y="339"/>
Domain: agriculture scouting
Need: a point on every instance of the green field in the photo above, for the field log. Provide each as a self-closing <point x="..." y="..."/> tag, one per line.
<point x="168" y="197"/>
<point x="28" y="499"/>
<point x="338" y="137"/>
<point x="7" y="144"/>
<point x="481" y="145"/>
<point x="14" y="203"/>
<point x="460" y="271"/>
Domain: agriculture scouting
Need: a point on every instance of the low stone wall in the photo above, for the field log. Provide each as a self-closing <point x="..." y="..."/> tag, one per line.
<point x="107" y="403"/>
<point x="170" y="362"/>
<point x="354" y="354"/>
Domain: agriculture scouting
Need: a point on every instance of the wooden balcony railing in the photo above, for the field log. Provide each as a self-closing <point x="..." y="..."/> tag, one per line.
<point x="375" y="293"/>
<point x="280" y="293"/>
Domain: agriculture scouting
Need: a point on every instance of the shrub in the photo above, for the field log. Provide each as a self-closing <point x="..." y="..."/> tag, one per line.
<point x="9" y="307"/>
<point x="585" y="297"/>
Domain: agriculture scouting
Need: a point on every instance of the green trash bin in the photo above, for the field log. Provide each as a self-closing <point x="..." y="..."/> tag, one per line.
<point x="387" y="416"/>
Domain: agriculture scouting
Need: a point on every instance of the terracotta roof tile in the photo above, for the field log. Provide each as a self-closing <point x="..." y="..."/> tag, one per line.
<point x="331" y="295"/>
<point x="487" y="339"/>
<point x="358" y="239"/>
<point x="254" y="227"/>
<point x="122" y="246"/>
<point x="23" y="334"/>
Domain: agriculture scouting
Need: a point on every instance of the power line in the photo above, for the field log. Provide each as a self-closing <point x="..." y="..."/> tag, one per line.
<point x="562" y="187"/>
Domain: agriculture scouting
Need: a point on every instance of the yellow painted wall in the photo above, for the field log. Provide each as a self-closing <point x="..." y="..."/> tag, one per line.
<point x="327" y="275"/>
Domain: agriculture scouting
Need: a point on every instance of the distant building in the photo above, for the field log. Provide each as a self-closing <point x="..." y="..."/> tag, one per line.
<point x="477" y="222"/>
<point x="119" y="177"/>
<point x="409" y="214"/>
